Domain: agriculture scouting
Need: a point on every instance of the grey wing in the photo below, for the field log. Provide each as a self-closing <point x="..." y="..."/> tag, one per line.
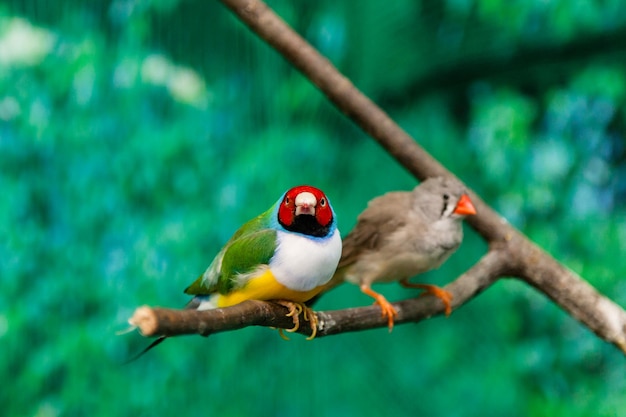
<point x="383" y="216"/>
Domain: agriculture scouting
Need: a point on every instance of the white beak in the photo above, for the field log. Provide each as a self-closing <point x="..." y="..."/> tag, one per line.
<point x="305" y="203"/>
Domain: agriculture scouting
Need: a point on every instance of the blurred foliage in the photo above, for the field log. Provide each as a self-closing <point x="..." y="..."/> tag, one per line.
<point x="136" y="136"/>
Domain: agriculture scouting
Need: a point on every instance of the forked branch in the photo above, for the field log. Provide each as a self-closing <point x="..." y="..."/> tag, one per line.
<point x="510" y="252"/>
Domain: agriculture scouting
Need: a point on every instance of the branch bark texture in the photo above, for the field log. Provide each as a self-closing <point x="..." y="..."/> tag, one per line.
<point x="510" y="252"/>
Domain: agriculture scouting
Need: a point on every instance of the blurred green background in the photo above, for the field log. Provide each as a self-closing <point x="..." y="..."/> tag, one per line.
<point x="136" y="136"/>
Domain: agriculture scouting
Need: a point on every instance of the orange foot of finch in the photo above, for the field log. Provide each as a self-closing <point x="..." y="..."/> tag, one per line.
<point x="387" y="309"/>
<point x="443" y="295"/>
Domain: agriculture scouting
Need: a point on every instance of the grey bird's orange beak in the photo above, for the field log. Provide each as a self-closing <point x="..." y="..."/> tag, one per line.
<point x="465" y="207"/>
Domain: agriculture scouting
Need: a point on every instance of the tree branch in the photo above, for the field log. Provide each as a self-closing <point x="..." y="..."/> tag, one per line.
<point x="510" y="252"/>
<point x="171" y="322"/>
<point x="567" y="289"/>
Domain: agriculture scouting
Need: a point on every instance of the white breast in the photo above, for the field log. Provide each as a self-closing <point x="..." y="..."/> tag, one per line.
<point x="302" y="263"/>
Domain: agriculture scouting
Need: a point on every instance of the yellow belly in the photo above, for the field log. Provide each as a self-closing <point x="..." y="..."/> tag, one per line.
<point x="265" y="287"/>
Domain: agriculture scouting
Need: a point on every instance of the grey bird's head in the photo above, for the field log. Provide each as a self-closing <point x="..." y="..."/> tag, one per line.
<point x="442" y="197"/>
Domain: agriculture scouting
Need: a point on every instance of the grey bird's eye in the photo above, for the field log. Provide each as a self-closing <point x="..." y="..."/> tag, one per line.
<point x="446" y="197"/>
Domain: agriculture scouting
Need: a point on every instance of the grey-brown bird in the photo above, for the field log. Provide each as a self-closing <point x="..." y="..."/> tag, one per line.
<point x="402" y="234"/>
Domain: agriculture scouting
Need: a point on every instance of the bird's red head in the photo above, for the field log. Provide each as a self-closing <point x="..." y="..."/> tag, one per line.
<point x="305" y="200"/>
